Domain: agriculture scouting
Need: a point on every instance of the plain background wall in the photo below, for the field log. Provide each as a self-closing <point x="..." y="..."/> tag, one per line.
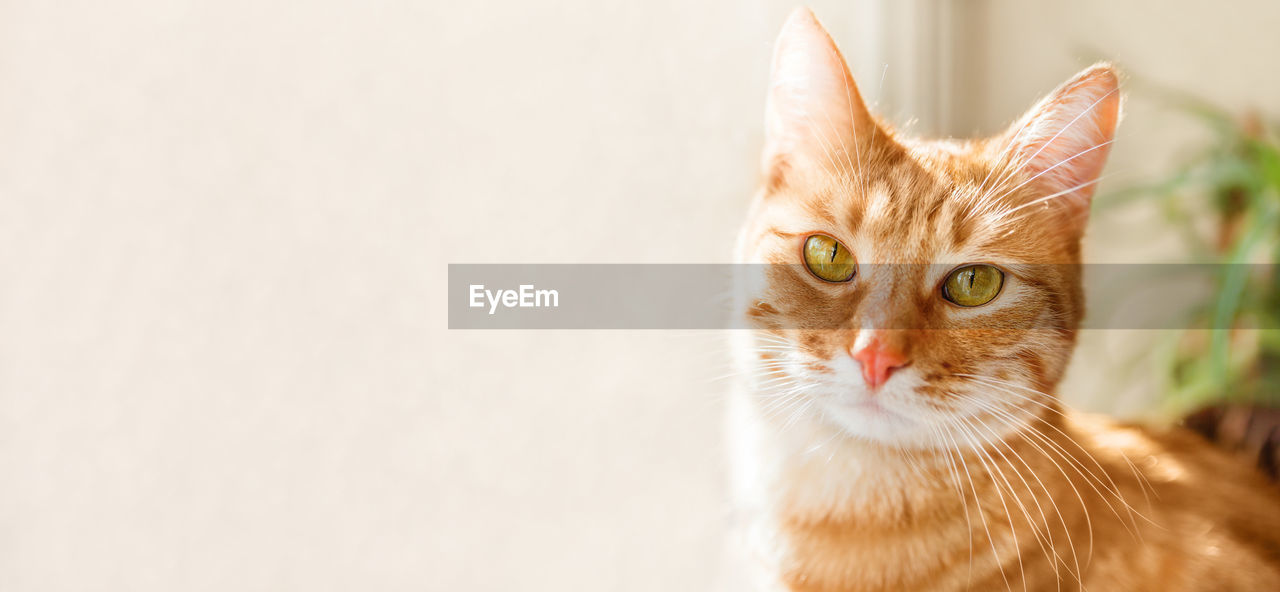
<point x="224" y="231"/>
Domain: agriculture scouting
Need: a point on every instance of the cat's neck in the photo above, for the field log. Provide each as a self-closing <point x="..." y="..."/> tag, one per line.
<point x="817" y="497"/>
<point x="806" y="466"/>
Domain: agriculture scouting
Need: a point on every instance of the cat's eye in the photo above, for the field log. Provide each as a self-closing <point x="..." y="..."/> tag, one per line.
<point x="973" y="285"/>
<point x="828" y="259"/>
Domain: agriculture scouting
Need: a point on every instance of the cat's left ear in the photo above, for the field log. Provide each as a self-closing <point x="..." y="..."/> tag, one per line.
<point x="1061" y="145"/>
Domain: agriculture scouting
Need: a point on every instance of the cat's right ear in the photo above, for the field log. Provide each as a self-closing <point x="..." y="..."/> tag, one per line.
<point x="814" y="115"/>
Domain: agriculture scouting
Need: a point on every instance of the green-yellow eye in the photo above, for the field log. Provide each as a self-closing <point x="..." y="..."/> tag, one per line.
<point x="828" y="259"/>
<point x="973" y="285"/>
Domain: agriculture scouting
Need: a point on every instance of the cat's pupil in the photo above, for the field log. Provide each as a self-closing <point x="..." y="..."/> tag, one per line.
<point x="834" y="248"/>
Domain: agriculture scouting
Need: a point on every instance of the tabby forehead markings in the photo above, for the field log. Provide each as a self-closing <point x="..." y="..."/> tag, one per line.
<point x="876" y="205"/>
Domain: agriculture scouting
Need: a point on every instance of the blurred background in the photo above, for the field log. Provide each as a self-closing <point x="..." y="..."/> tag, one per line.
<point x="225" y="226"/>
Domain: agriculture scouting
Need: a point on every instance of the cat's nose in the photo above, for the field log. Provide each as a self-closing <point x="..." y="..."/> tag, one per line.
<point x="878" y="360"/>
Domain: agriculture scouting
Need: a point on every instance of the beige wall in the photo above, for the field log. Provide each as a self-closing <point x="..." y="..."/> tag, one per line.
<point x="224" y="230"/>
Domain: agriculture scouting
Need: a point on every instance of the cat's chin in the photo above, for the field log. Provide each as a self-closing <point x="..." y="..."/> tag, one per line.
<point x="873" y="419"/>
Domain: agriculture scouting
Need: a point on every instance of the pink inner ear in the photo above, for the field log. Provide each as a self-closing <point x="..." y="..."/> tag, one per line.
<point x="814" y="110"/>
<point x="1063" y="142"/>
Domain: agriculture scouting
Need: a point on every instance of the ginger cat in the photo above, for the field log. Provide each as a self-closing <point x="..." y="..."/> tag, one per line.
<point x="887" y="436"/>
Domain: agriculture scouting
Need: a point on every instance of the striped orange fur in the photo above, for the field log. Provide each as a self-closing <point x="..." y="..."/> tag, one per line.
<point x="960" y="470"/>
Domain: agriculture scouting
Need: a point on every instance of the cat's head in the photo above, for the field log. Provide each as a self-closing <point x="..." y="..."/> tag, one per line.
<point x="913" y="283"/>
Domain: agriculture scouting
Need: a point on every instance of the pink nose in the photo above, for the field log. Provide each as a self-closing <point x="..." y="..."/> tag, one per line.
<point x="878" y="361"/>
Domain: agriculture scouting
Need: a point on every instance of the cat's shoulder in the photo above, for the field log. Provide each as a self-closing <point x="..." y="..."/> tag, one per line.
<point x="1173" y="460"/>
